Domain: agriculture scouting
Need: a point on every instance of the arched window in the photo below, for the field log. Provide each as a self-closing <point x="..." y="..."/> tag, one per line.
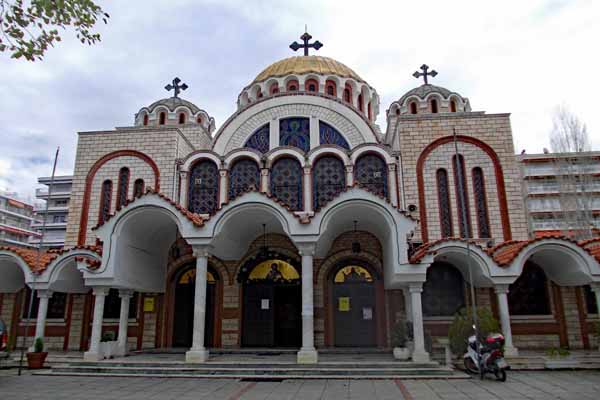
<point x="329" y="135"/>
<point x="243" y="175"/>
<point x="274" y="89"/>
<point x="105" y="200"/>
<point x="452" y="106"/>
<point x="57" y="305"/>
<point x="259" y="94"/>
<point x="292" y="86"/>
<point x="462" y="197"/>
<point x="123" y="187"/>
<point x="295" y="132"/>
<point x="369" y="111"/>
<point x="348" y="93"/>
<point x="199" y="120"/>
<point x="329" y="179"/>
<point x="413" y="107"/>
<point x="182" y="118"/>
<point x="444" y="203"/>
<point x="203" y="187"/>
<point x="259" y="139"/>
<point x="434" y="106"/>
<point x="443" y="291"/>
<point x="311" y="85"/>
<point x="483" y="220"/>
<point x="138" y="187"/>
<point x="370" y="171"/>
<point x="398" y="111"/>
<point x="361" y="106"/>
<point x="162" y="118"/>
<point x="331" y="88"/>
<point x="286" y="182"/>
<point x="529" y="294"/>
<point x="145" y="119"/>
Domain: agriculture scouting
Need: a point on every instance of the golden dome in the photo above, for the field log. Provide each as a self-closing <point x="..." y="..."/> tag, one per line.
<point x="300" y="65"/>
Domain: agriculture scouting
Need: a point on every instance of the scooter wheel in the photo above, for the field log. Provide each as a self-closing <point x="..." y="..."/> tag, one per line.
<point x="470" y="366"/>
<point x="500" y="375"/>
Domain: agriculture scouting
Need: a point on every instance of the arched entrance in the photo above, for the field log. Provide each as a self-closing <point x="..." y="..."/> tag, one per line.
<point x="183" y="307"/>
<point x="272" y="303"/>
<point x="354" y="306"/>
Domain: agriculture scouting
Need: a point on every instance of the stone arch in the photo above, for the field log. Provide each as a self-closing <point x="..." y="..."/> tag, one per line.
<point x="281" y="152"/>
<point x="14" y="270"/>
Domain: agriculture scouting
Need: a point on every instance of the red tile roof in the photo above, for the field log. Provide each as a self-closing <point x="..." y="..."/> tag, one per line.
<point x="38" y="262"/>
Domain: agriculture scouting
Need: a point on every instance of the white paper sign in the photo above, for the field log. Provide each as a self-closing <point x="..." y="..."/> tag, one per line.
<point x="367" y="313"/>
<point x="264" y="304"/>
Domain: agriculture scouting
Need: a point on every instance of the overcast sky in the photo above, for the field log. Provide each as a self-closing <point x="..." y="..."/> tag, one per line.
<point x="522" y="57"/>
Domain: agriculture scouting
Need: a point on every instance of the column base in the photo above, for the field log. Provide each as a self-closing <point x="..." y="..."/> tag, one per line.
<point x="511" y="351"/>
<point x="307" y="356"/>
<point x="121" y="351"/>
<point x="196" y="356"/>
<point x="420" y="356"/>
<point x="89" y="356"/>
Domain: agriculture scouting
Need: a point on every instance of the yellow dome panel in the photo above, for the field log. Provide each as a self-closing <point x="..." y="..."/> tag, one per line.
<point x="300" y="65"/>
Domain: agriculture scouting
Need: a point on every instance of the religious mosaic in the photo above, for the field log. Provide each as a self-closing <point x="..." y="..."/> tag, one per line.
<point x="295" y="132"/>
<point x="353" y="273"/>
<point x="243" y="176"/>
<point x="260" y="140"/>
<point x="275" y="271"/>
<point x="370" y="172"/>
<point x="286" y="182"/>
<point x="329" y="135"/>
<point x="203" y="189"/>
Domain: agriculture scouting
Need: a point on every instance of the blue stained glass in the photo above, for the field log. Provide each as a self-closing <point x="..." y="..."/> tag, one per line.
<point x="295" y="132"/>
<point x="243" y="176"/>
<point x="286" y="182"/>
<point x="259" y="139"/>
<point x="329" y="135"/>
<point x="370" y="171"/>
<point x="329" y="179"/>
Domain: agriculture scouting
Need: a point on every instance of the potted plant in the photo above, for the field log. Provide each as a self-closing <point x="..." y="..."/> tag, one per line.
<point x="559" y="358"/>
<point x="402" y="340"/>
<point x="108" y="344"/>
<point x="36" y="358"/>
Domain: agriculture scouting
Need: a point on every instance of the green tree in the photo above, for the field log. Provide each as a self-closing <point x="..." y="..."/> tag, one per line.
<point x="27" y="30"/>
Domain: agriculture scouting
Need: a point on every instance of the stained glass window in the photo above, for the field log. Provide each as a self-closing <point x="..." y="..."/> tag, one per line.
<point x="444" y="203"/>
<point x="329" y="135"/>
<point x="259" y="139"/>
<point x="370" y="171"/>
<point x="203" y="188"/>
<point x="243" y="175"/>
<point x="286" y="182"/>
<point x="329" y="179"/>
<point x="295" y="132"/>
<point x="105" y="199"/>
<point x="443" y="291"/>
<point x="462" y="197"/>
<point x="483" y="221"/>
<point x="123" y="187"/>
<point x="529" y="294"/>
<point x="138" y="187"/>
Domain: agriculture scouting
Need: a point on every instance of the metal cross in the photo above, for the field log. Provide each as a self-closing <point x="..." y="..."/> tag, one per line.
<point x="176" y="87"/>
<point x="305" y="38"/>
<point x="424" y="74"/>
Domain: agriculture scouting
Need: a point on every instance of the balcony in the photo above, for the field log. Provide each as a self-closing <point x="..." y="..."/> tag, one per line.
<point x="49" y="225"/>
<point x="57" y="193"/>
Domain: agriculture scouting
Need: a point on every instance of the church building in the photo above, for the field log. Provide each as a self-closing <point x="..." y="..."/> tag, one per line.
<point x="299" y="223"/>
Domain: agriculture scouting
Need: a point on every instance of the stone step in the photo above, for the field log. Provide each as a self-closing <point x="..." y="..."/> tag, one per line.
<point x="351" y="365"/>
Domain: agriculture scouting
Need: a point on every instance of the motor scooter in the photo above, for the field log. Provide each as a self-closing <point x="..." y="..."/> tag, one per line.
<point x="486" y="356"/>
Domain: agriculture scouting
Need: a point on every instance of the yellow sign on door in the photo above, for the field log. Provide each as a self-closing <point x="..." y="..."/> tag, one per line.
<point x="149" y="304"/>
<point x="344" y="303"/>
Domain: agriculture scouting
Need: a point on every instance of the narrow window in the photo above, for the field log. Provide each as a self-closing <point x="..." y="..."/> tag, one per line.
<point x="370" y="111"/>
<point x="138" y="187"/>
<point x="312" y="88"/>
<point x="444" y="203"/>
<point x="105" y="199"/>
<point x="483" y="221"/>
<point x="398" y="111"/>
<point x="361" y="106"/>
<point x="347" y="95"/>
<point x="259" y="94"/>
<point x="292" y="86"/>
<point x="123" y="187"/>
<point x="311" y="85"/>
<point x="274" y="88"/>
<point x="331" y="88"/>
<point x="413" y="107"/>
<point x="199" y="120"/>
<point x="452" y="106"/>
<point x="462" y="198"/>
<point x="145" y="119"/>
<point x="182" y="118"/>
<point x="434" y="106"/>
<point x="162" y="117"/>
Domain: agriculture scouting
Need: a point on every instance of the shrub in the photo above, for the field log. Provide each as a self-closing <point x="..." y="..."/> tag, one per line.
<point x="108" y="336"/>
<point x="462" y="327"/>
<point x="402" y="333"/>
<point x="38" y="345"/>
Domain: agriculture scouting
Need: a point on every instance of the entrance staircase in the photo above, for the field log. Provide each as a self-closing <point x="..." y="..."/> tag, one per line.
<point x="258" y="365"/>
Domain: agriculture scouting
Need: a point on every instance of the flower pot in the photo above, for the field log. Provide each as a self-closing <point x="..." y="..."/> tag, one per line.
<point x="402" y="353"/>
<point x="108" y="349"/>
<point x="36" y="360"/>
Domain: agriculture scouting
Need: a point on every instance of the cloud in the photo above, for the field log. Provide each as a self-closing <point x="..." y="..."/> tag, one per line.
<point x="522" y="57"/>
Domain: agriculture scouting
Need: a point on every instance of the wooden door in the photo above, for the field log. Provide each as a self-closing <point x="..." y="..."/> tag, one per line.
<point x="354" y="314"/>
<point x="258" y="320"/>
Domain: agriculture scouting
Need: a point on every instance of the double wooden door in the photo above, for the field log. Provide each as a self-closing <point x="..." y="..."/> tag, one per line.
<point x="183" y="322"/>
<point x="354" y="314"/>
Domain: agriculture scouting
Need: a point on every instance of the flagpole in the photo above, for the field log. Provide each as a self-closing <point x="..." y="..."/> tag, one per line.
<point x="38" y="259"/>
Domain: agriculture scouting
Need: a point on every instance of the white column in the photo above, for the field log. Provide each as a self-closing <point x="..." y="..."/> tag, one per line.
<point x="198" y="353"/>
<point x="501" y="292"/>
<point x="393" y="190"/>
<point x="264" y="180"/>
<point x="40" y="323"/>
<point x="419" y="353"/>
<point x="125" y="296"/>
<point x="94" y="354"/>
<point x="222" y="187"/>
<point x="349" y="175"/>
<point x="314" y="132"/>
<point x="307" y="190"/>
<point x="183" y="188"/>
<point x="407" y="304"/>
<point x="274" y="133"/>
<point x="307" y="354"/>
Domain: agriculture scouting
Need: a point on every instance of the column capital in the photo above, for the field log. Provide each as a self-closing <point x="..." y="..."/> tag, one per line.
<point x="307" y="249"/>
<point x="201" y="250"/>
<point x="349" y="168"/>
<point x="125" y="293"/>
<point x="391" y="167"/>
<point x="183" y="173"/>
<point x="264" y="171"/>
<point x="100" y="290"/>
<point x="307" y="170"/>
<point x="415" y="287"/>
<point x="595" y="286"/>
<point x="501" y="289"/>
<point x="44" y="293"/>
<point x="223" y="173"/>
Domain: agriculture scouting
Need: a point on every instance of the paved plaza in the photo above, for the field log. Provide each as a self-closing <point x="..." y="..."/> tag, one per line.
<point x="580" y="385"/>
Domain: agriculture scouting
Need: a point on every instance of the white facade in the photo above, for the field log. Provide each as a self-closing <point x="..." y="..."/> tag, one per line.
<point x="58" y="211"/>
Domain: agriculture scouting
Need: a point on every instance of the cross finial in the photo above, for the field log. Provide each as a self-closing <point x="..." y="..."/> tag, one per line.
<point x="425" y="73"/>
<point x="305" y="38"/>
<point x="176" y="87"/>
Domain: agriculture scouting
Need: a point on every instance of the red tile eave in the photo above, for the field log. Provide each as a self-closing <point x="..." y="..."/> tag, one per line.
<point x="423" y="250"/>
<point x="38" y="263"/>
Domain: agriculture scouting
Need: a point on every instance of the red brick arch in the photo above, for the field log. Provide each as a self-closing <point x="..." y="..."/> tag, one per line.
<point x="499" y="181"/>
<point x="83" y="221"/>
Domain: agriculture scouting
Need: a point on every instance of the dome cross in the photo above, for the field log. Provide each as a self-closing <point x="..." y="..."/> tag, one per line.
<point x="425" y="73"/>
<point x="176" y="87"/>
<point x="305" y="38"/>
